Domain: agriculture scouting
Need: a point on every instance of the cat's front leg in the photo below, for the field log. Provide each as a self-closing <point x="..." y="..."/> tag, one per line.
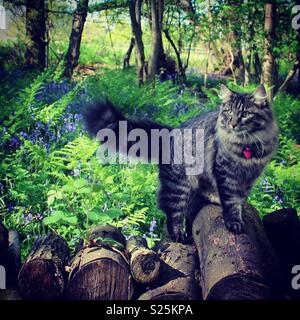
<point x="233" y="217"/>
<point x="232" y="200"/>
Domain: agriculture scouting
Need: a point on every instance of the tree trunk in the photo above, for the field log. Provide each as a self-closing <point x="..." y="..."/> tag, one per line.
<point x="239" y="64"/>
<point x="145" y="264"/>
<point x="42" y="276"/>
<point x="72" y="56"/>
<point x="178" y="55"/>
<point x="268" y="73"/>
<point x="126" y="60"/>
<point x="283" y="229"/>
<point x="178" y="276"/>
<point x="101" y="271"/>
<point x="234" y="267"/>
<point x="35" y="54"/>
<point x="257" y="65"/>
<point x="296" y="65"/>
<point x="135" y="17"/>
<point x="157" y="8"/>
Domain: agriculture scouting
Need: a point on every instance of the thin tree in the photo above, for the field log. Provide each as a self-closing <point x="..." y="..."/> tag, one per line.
<point x="72" y="56"/>
<point x="126" y="60"/>
<point x="296" y="66"/>
<point x="135" y="9"/>
<point x="35" y="54"/>
<point x="157" y="9"/>
<point x="268" y="72"/>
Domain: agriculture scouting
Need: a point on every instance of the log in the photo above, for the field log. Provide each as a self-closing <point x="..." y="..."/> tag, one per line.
<point x="10" y="294"/>
<point x="109" y="235"/>
<point x="283" y="229"/>
<point x="3" y="243"/>
<point x="42" y="276"/>
<point x="101" y="271"/>
<point x="13" y="257"/>
<point x="234" y="267"/>
<point x="178" y="276"/>
<point x="145" y="264"/>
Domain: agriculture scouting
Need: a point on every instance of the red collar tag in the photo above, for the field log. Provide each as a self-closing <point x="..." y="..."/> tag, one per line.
<point x="247" y="152"/>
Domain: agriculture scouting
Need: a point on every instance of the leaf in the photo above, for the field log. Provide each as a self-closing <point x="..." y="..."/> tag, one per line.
<point x="54" y="218"/>
<point x="103" y="219"/>
<point x="51" y="192"/>
<point x="70" y="188"/>
<point x="93" y="216"/>
<point x="84" y="190"/>
<point x="50" y="200"/>
<point x="80" y="183"/>
<point x="70" y="220"/>
<point x="58" y="195"/>
<point x="114" y="213"/>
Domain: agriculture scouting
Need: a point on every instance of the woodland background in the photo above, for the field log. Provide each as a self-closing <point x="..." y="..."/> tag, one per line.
<point x="161" y="59"/>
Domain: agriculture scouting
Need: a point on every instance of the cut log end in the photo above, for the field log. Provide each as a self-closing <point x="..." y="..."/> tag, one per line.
<point x="145" y="265"/>
<point x="42" y="276"/>
<point x="112" y="283"/>
<point x="40" y="280"/>
<point x="101" y="271"/>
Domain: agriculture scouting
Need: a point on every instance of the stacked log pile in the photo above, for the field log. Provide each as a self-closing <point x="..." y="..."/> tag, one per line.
<point x="219" y="265"/>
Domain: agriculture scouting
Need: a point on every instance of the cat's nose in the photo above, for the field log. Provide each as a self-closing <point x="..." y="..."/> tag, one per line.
<point x="233" y="124"/>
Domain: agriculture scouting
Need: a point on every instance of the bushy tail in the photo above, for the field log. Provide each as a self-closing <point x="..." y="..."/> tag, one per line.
<point x="104" y="115"/>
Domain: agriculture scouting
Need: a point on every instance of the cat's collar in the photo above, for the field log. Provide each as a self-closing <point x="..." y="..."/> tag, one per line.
<point x="247" y="152"/>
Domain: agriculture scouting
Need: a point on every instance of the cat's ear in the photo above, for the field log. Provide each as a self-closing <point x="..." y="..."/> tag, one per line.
<point x="225" y="94"/>
<point x="260" y="96"/>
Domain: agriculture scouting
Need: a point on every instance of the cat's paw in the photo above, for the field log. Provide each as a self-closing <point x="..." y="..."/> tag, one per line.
<point x="181" y="237"/>
<point x="177" y="235"/>
<point x="237" y="226"/>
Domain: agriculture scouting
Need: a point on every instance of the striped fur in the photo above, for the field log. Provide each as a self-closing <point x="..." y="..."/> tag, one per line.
<point x="241" y="120"/>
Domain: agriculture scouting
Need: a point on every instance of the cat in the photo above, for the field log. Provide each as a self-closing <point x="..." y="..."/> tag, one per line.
<point x="240" y="137"/>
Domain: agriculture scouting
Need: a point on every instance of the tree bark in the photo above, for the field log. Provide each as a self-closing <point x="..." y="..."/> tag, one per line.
<point x="178" y="276"/>
<point x="269" y="67"/>
<point x="283" y="229"/>
<point x="42" y="276"/>
<point x="145" y="264"/>
<point x="177" y="53"/>
<point x="35" y="54"/>
<point x="13" y="258"/>
<point x="126" y="60"/>
<point x="101" y="271"/>
<point x="157" y="8"/>
<point x="135" y="17"/>
<point x="296" y="66"/>
<point x="72" y="56"/>
<point x="234" y="267"/>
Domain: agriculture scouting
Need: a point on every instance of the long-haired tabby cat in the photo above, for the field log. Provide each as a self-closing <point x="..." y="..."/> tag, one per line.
<point x="239" y="139"/>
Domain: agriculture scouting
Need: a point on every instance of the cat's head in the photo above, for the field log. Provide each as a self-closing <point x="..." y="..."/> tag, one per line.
<point x="240" y="112"/>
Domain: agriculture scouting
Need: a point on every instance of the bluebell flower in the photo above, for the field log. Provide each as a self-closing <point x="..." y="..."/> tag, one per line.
<point x="153" y="225"/>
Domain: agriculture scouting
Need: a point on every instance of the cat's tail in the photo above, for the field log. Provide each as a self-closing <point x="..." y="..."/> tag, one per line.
<point x="104" y="115"/>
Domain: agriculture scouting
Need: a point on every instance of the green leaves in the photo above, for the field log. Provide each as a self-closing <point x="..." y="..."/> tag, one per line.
<point x="105" y="217"/>
<point x="59" y="217"/>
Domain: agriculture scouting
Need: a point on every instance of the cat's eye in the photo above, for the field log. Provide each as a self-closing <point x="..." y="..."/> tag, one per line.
<point x="245" y="114"/>
<point x="228" y="112"/>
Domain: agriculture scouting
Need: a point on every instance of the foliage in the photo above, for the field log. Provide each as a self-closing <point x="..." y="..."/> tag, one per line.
<point x="50" y="178"/>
